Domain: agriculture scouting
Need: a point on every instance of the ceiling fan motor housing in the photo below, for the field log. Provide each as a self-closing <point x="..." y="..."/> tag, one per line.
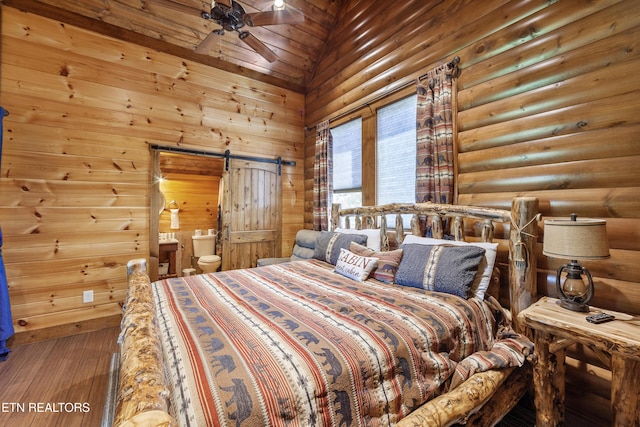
<point x="230" y="18"/>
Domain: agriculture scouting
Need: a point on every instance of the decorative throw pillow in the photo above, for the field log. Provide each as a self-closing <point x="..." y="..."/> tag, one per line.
<point x="441" y="268"/>
<point x="373" y="236"/>
<point x="329" y="244"/>
<point x="354" y="266"/>
<point x="388" y="262"/>
<point x="485" y="270"/>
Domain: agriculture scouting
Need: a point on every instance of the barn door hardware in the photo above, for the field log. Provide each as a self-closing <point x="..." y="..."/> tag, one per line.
<point x="226" y="155"/>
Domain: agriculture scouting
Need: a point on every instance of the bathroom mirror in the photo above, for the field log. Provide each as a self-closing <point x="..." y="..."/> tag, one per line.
<point x="162" y="203"/>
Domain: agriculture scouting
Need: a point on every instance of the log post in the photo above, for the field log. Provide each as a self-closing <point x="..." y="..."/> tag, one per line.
<point x="399" y="230"/>
<point x="523" y="260"/>
<point x="369" y="222"/>
<point x="548" y="379"/>
<point x="458" y="233"/>
<point x="335" y="218"/>
<point x="415" y="226"/>
<point x="625" y="389"/>
<point x="437" y="231"/>
<point x="487" y="231"/>
<point x="384" y="236"/>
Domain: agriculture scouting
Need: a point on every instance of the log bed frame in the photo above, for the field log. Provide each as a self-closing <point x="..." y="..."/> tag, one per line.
<point x="142" y="397"/>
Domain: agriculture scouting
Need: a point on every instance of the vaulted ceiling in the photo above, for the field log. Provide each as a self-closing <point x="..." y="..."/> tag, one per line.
<point x="177" y="27"/>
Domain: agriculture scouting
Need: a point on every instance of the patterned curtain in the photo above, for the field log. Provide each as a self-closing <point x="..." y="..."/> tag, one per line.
<point x="322" y="177"/>
<point x="435" y="155"/>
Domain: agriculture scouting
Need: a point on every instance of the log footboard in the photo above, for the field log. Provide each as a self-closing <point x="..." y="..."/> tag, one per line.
<point x="483" y="400"/>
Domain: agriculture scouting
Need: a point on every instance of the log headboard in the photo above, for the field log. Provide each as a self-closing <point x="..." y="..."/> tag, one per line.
<point x="522" y="221"/>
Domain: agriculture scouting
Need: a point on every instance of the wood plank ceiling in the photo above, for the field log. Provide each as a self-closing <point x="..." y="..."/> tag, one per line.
<point x="176" y="27"/>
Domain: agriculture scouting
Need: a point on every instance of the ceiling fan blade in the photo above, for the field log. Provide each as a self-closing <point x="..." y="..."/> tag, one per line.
<point x="207" y="44"/>
<point x="258" y="46"/>
<point x="276" y="17"/>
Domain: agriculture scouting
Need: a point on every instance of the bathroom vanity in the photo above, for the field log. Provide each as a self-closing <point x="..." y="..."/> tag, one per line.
<point x="167" y="258"/>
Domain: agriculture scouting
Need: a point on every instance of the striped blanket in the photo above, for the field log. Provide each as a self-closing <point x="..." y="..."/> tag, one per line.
<point x="296" y="344"/>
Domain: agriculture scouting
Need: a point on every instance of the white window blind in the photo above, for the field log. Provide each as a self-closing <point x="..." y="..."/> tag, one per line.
<point x="396" y="152"/>
<point x="347" y="163"/>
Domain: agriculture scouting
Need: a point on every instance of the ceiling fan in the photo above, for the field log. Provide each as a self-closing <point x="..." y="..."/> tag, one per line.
<point x="231" y="16"/>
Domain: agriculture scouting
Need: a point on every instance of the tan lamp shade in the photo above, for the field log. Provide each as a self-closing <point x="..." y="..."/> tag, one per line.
<point x="582" y="239"/>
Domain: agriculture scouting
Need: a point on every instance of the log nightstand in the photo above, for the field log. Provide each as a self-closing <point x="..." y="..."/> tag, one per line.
<point x="555" y="328"/>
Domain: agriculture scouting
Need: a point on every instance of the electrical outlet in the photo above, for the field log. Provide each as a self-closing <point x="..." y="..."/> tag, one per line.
<point x="87" y="296"/>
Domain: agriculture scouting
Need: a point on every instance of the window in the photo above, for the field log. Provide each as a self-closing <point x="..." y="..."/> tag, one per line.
<point x="347" y="164"/>
<point x="396" y="153"/>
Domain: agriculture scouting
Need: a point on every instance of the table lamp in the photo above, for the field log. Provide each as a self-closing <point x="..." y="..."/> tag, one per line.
<point x="584" y="239"/>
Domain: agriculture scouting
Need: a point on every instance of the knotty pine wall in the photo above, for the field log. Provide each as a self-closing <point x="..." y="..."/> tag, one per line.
<point x="76" y="165"/>
<point x="548" y="103"/>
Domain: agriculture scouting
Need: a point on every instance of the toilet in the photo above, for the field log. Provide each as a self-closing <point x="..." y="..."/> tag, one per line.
<point x="204" y="248"/>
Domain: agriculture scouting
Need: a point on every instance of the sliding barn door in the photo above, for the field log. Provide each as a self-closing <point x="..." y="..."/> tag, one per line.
<point x="251" y="213"/>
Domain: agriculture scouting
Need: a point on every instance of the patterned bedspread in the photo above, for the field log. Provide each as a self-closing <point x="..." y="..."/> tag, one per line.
<point x="296" y="344"/>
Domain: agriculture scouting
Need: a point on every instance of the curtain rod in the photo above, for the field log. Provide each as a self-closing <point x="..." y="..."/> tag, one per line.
<point x="455" y="61"/>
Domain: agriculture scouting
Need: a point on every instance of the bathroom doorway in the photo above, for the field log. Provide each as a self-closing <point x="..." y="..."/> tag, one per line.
<point x="185" y="197"/>
<point x="236" y="197"/>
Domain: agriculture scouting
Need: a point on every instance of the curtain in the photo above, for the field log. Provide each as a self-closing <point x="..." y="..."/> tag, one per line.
<point x="6" y="323"/>
<point x="434" y="120"/>
<point x="322" y="177"/>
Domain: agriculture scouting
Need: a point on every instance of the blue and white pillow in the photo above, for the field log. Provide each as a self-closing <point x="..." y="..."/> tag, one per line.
<point x="440" y="268"/>
<point x="329" y="244"/>
<point x="485" y="270"/>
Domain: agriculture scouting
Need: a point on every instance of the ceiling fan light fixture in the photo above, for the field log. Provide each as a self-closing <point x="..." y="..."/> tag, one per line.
<point x="278" y="5"/>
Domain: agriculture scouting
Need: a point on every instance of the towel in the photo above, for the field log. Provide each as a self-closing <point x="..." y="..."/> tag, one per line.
<point x="175" y="220"/>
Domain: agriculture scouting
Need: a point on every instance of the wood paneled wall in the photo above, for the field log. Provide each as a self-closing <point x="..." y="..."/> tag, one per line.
<point x="548" y="103"/>
<point x="197" y="199"/>
<point x="76" y="165"/>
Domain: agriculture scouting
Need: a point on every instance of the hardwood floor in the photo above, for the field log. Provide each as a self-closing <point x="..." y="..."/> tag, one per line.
<point x="59" y="382"/>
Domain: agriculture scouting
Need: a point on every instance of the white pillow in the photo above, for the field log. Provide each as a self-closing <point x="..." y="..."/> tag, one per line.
<point x="354" y="266"/>
<point x="485" y="270"/>
<point x="373" y="236"/>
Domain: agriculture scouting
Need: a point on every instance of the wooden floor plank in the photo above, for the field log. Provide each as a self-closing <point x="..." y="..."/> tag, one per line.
<point x="20" y="370"/>
<point x="80" y="381"/>
<point x="66" y="357"/>
<point x="60" y="382"/>
<point x="97" y="394"/>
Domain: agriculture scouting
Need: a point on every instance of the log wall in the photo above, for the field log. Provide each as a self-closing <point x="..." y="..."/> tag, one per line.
<point x="76" y="164"/>
<point x="547" y="107"/>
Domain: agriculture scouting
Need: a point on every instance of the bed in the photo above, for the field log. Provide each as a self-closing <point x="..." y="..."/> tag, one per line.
<point x="333" y="340"/>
